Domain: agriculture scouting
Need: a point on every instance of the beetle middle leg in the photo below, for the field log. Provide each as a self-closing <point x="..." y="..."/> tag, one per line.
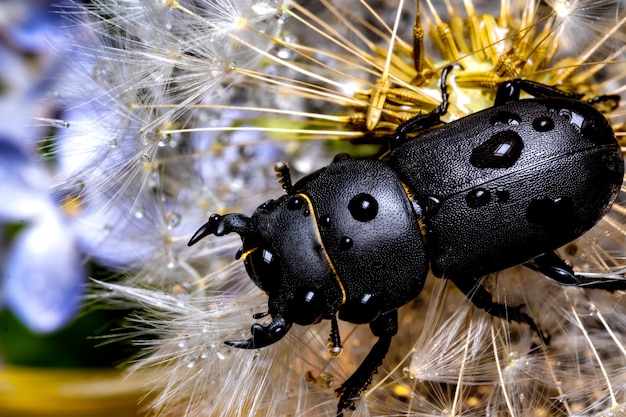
<point x="385" y="327"/>
<point x="481" y="298"/>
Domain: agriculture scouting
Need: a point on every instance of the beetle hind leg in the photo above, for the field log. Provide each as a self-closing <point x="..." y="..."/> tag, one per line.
<point x="509" y="91"/>
<point x="482" y="299"/>
<point x="556" y="269"/>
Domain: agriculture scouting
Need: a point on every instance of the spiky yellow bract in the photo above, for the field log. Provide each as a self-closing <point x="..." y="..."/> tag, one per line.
<point x="189" y="103"/>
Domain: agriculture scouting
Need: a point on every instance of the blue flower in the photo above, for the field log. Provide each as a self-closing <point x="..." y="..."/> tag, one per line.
<point x="43" y="276"/>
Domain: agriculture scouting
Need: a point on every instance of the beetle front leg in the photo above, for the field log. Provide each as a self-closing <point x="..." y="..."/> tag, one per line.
<point x="483" y="299"/>
<point x="263" y="336"/>
<point x="385" y="327"/>
<point x="554" y="268"/>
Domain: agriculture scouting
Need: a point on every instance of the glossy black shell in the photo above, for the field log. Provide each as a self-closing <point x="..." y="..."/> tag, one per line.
<point x="509" y="183"/>
<point x="376" y="253"/>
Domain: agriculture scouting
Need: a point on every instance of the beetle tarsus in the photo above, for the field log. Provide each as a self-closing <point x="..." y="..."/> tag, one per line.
<point x="263" y="336"/>
<point x="385" y="327"/>
<point x="605" y="103"/>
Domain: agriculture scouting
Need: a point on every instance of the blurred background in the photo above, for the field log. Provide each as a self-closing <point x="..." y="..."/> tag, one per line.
<point x="53" y="360"/>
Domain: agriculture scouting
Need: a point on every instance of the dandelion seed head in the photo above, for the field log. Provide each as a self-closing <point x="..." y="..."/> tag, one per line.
<point x="192" y="102"/>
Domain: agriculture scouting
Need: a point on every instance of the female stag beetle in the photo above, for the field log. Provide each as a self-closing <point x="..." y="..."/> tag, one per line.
<point x="502" y="187"/>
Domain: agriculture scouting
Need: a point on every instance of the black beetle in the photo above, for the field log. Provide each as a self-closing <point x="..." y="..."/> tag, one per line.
<point x="502" y="187"/>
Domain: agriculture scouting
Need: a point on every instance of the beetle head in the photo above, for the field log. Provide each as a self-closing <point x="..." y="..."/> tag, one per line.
<point x="284" y="257"/>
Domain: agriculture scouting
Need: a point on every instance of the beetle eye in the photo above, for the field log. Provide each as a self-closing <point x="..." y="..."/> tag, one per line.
<point x="363" y="207"/>
<point x="262" y="267"/>
<point x="305" y="307"/>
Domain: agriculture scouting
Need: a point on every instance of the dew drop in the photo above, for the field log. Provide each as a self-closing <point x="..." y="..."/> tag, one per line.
<point x="165" y="140"/>
<point x="406" y="371"/>
<point x="325" y="221"/>
<point x="478" y="197"/>
<point x="102" y="75"/>
<point x="268" y="256"/>
<point x="172" y="219"/>
<point x="345" y="243"/>
<point x="543" y="124"/>
<point x="501" y="150"/>
<point x="295" y="203"/>
<point x="172" y="263"/>
<point x="363" y="207"/>
<point x="576" y="119"/>
<point x="334" y="351"/>
<point x="506" y="118"/>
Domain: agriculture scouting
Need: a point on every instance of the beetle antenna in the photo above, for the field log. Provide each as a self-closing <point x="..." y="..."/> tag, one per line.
<point x="281" y="169"/>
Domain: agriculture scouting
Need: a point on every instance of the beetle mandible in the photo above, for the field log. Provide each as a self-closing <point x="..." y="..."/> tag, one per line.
<point x="502" y="187"/>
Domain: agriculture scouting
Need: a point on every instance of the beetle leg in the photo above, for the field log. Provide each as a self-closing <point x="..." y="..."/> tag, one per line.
<point x="263" y="335"/>
<point x="385" y="327"/>
<point x="220" y="225"/>
<point x="423" y="121"/>
<point x="555" y="269"/>
<point x="482" y="299"/>
<point x="509" y="91"/>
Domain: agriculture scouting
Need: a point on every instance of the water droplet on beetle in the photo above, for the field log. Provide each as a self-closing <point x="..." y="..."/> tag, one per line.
<point x="334" y="351"/>
<point x="543" y="124"/>
<point x="501" y="150"/>
<point x="268" y="256"/>
<point x="363" y="207"/>
<point x="478" y="197"/>
<point x="506" y="118"/>
<point x="295" y="203"/>
<point x="345" y="243"/>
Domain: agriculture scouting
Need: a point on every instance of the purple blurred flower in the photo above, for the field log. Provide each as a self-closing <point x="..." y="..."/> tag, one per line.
<point x="43" y="275"/>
